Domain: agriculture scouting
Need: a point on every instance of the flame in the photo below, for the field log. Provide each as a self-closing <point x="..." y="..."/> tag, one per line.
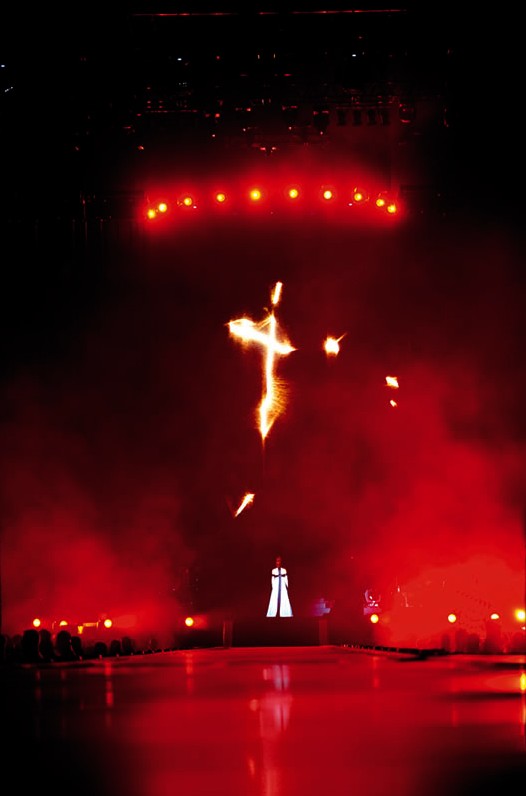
<point x="276" y="293"/>
<point x="392" y="382"/>
<point x="247" y="500"/>
<point x="266" y="335"/>
<point x="332" y="345"/>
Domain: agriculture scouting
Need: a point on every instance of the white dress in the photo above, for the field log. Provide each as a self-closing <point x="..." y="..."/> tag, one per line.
<point x="279" y="603"/>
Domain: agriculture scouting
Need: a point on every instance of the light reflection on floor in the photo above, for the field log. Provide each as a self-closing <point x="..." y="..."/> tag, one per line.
<point x="273" y="721"/>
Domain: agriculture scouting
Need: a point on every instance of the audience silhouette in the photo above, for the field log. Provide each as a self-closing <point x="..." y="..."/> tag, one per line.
<point x="65" y="650"/>
<point x="30" y="646"/>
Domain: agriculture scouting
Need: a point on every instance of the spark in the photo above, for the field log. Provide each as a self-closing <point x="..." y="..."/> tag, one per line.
<point x="276" y="293"/>
<point x="392" y="383"/>
<point x="332" y="345"/>
<point x="247" y="500"/>
<point x="265" y="334"/>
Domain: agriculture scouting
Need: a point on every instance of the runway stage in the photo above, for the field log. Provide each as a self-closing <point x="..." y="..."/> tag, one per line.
<point x="269" y="721"/>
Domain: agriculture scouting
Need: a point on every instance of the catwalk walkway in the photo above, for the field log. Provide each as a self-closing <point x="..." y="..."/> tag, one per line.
<point x="268" y="721"/>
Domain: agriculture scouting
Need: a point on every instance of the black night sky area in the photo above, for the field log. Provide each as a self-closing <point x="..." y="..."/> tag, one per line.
<point x="127" y="411"/>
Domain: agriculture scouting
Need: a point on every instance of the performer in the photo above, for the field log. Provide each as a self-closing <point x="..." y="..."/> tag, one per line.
<point x="279" y="603"/>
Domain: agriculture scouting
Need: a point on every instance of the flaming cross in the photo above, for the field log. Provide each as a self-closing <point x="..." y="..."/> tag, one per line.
<point x="265" y="334"/>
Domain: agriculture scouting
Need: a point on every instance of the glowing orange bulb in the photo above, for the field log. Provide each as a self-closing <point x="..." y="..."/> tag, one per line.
<point x="188" y="201"/>
<point x="255" y="194"/>
<point x="392" y="208"/>
<point x="36" y="622"/>
<point x="327" y="194"/>
<point x="293" y="193"/>
<point x="452" y="618"/>
<point x="162" y="207"/>
<point x="220" y="197"/>
<point x="374" y="619"/>
<point x="189" y="621"/>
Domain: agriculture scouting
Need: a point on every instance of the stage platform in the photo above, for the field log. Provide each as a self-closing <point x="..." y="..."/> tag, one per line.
<point x="249" y="631"/>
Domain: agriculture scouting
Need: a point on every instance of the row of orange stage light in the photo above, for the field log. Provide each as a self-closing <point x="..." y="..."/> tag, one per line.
<point x="453" y="617"/>
<point x="291" y="196"/>
<point x="55" y="625"/>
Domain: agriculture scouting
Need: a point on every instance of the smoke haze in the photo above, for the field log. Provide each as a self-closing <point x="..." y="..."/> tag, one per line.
<point x="129" y="433"/>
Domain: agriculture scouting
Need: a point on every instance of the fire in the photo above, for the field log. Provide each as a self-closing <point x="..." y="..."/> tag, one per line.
<point x="392" y="383"/>
<point x="265" y="334"/>
<point x="276" y="293"/>
<point x="332" y="345"/>
<point x="247" y="500"/>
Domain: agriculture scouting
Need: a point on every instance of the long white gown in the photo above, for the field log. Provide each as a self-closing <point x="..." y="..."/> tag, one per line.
<point x="279" y="603"/>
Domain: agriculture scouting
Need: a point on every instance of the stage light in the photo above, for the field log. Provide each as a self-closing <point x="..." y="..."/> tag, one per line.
<point x="293" y="193"/>
<point x="259" y="195"/>
<point x="154" y="210"/>
<point x="359" y="196"/>
<point x="384" y="202"/>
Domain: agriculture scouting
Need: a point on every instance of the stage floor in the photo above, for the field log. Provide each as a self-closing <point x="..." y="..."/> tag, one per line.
<point x="269" y="721"/>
